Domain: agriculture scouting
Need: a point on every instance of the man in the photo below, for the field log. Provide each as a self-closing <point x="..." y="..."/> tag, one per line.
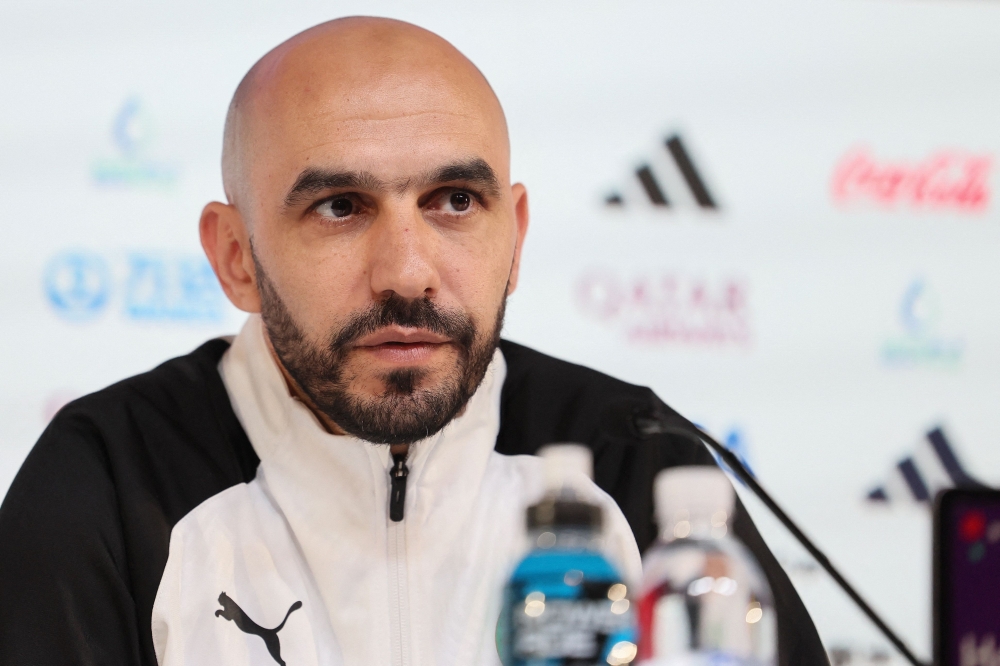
<point x="340" y="484"/>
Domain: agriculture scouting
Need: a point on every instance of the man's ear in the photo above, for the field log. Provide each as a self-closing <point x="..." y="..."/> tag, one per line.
<point x="226" y="242"/>
<point x="521" y="216"/>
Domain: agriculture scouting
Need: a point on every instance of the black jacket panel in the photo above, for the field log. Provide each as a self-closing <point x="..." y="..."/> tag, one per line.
<point x="85" y="526"/>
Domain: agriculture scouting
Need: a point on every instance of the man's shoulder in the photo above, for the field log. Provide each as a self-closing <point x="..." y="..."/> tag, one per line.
<point x="530" y="366"/>
<point x="169" y="435"/>
<point x="87" y="519"/>
<point x="170" y="387"/>
<point x="546" y="399"/>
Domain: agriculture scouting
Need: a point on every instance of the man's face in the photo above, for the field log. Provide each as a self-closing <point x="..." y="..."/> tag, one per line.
<point x="384" y="233"/>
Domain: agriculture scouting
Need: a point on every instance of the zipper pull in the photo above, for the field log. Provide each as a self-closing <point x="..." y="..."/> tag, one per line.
<point x="397" y="491"/>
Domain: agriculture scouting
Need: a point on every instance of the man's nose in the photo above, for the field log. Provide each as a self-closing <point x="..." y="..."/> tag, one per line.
<point x="403" y="255"/>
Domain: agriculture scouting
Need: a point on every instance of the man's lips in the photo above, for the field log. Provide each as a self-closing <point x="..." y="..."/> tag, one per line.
<point x="398" y="335"/>
<point x="400" y="346"/>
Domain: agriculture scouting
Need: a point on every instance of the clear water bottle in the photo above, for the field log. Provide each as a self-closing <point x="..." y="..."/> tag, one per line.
<point x="566" y="604"/>
<point x="703" y="599"/>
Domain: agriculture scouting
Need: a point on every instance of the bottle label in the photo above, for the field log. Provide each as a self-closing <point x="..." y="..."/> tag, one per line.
<point x="568" y="629"/>
<point x="566" y="608"/>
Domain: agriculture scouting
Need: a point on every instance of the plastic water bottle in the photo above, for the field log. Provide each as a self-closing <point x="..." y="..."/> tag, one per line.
<point x="566" y="603"/>
<point x="703" y="598"/>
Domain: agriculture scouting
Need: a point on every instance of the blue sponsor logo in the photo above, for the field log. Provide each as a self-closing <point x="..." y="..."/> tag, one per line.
<point x="78" y="284"/>
<point x="172" y="289"/>
<point x="152" y="287"/>
<point x="920" y="344"/>
<point x="132" y="135"/>
<point x="736" y="441"/>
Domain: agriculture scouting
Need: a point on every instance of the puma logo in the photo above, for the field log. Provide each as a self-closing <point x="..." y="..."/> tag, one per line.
<point x="234" y="613"/>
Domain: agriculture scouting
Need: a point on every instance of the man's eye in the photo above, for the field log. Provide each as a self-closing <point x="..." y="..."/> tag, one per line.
<point x="460" y="201"/>
<point x="337" y="207"/>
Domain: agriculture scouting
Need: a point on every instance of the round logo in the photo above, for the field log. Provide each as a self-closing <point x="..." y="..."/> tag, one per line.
<point x="78" y="284"/>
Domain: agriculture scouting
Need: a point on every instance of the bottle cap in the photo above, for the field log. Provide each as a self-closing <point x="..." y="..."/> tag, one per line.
<point x="564" y="463"/>
<point x="565" y="466"/>
<point x="701" y="492"/>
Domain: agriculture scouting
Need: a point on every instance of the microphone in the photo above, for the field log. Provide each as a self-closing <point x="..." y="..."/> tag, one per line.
<point x="656" y="424"/>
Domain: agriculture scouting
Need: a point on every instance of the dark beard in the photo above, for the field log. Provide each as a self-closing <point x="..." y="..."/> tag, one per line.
<point x="404" y="413"/>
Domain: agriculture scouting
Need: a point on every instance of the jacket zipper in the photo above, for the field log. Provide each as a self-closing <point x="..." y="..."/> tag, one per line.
<point x="399" y="610"/>
<point x="397" y="492"/>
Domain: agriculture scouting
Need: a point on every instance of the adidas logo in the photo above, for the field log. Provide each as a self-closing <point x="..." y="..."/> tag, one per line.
<point x="667" y="180"/>
<point x="932" y="466"/>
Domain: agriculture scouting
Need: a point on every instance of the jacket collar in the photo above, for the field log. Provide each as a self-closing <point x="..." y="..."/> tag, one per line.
<point x="292" y="444"/>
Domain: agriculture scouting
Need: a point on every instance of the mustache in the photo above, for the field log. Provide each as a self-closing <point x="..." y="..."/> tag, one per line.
<point x="408" y="313"/>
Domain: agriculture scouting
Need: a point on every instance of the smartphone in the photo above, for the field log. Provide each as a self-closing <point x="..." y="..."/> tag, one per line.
<point x="967" y="578"/>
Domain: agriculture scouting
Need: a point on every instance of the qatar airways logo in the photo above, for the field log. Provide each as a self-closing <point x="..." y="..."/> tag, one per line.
<point x="951" y="180"/>
<point x="668" y="307"/>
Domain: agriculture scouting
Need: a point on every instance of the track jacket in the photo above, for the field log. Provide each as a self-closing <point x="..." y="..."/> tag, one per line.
<point x="313" y="528"/>
<point x="197" y="514"/>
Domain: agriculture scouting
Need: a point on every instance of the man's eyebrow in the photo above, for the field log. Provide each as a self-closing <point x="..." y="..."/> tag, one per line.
<point x="473" y="171"/>
<point x="312" y="181"/>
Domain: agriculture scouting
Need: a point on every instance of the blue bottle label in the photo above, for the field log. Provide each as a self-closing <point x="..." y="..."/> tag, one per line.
<point x="566" y="609"/>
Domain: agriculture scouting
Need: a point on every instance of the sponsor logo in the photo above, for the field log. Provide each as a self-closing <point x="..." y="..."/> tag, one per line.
<point x="132" y="165"/>
<point x="670" y="177"/>
<point x="668" y="308"/>
<point x="919" y="344"/>
<point x="232" y="612"/>
<point x="78" y="284"/>
<point x="147" y="286"/>
<point x="946" y="180"/>
<point x="932" y="465"/>
<point x="736" y="441"/>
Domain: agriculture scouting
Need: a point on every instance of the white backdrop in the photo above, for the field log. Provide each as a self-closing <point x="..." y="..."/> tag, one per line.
<point x="839" y="302"/>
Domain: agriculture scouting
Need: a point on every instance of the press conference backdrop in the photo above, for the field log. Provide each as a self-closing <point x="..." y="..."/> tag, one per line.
<point x="780" y="215"/>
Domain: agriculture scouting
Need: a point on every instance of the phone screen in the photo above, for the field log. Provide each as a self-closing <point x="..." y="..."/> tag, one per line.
<point x="967" y="578"/>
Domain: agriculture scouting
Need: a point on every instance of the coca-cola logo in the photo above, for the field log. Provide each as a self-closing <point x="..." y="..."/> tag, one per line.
<point x="947" y="179"/>
<point x="668" y="307"/>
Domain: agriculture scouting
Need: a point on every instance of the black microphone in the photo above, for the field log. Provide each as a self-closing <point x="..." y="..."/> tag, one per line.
<point x="656" y="424"/>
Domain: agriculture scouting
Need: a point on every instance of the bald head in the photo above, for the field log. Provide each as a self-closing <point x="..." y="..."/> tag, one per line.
<point x="351" y="78"/>
<point x="371" y="221"/>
